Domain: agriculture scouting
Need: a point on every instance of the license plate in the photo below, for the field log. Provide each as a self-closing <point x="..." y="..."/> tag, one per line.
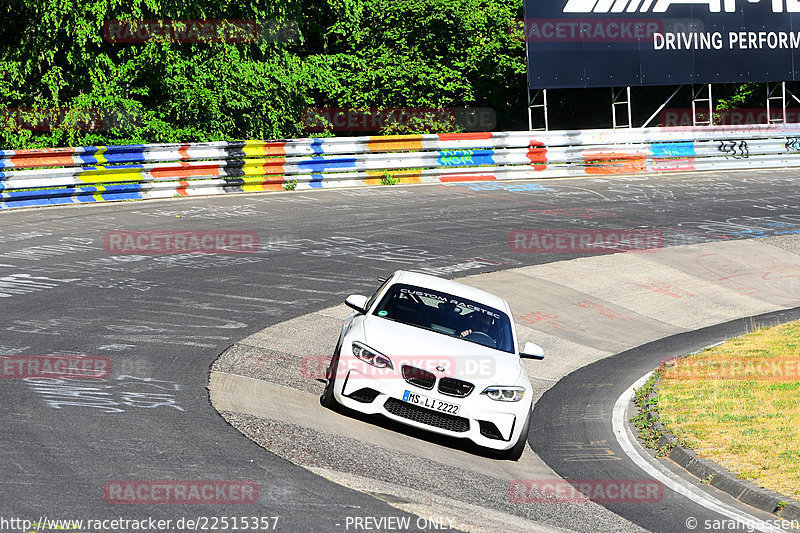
<point x="430" y="403"/>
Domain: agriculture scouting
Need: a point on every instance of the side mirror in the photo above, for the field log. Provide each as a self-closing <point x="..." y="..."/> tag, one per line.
<point x="357" y="303"/>
<point x="532" y="351"/>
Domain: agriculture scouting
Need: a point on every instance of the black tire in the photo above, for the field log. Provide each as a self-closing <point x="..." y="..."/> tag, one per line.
<point x="327" y="399"/>
<point x="514" y="453"/>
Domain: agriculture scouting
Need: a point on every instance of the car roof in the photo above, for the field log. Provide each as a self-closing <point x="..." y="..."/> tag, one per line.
<point x="451" y="287"/>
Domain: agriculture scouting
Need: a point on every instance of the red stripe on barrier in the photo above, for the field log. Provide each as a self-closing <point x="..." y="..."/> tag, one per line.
<point x="38" y="161"/>
<point x="614" y="163"/>
<point x="274" y="166"/>
<point x="278" y="148"/>
<point x="181" y="190"/>
<point x="210" y="169"/>
<point x="537" y="155"/>
<point x="184" y="151"/>
<point x="44" y="152"/>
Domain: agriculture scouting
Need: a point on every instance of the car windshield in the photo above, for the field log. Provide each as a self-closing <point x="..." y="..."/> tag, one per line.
<point x="448" y="315"/>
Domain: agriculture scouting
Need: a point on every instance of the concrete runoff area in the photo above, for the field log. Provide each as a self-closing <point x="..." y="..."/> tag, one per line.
<point x="579" y="311"/>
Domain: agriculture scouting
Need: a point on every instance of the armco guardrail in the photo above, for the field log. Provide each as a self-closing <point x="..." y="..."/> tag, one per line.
<point x="106" y="173"/>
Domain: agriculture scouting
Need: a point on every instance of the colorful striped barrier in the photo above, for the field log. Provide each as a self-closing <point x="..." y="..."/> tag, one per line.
<point x="108" y="173"/>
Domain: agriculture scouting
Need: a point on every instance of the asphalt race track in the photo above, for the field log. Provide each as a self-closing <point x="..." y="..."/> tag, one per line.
<point x="594" y="389"/>
<point x="164" y="319"/>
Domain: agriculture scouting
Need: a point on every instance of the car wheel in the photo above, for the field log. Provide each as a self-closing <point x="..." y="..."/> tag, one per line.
<point x="327" y="399"/>
<point x="515" y="452"/>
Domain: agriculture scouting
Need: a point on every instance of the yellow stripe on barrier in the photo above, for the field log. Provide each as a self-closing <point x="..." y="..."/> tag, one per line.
<point x="107" y="174"/>
<point x="391" y="143"/>
<point x="254" y="149"/>
<point x="98" y="196"/>
<point x="98" y="155"/>
<point x="254" y="167"/>
<point x="262" y="183"/>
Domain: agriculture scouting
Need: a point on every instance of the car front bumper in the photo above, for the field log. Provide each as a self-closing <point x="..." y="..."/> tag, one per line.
<point x="488" y="423"/>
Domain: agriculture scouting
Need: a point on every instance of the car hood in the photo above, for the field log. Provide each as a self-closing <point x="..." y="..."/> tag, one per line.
<point x="427" y="349"/>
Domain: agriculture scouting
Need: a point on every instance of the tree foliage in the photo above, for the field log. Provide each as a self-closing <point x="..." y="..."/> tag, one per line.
<point x="347" y="53"/>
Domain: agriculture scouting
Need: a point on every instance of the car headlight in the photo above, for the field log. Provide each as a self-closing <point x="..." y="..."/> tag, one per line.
<point x="504" y="394"/>
<point x="373" y="357"/>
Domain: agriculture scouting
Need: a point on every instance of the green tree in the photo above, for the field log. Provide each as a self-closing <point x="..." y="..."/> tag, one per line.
<point x="347" y="53"/>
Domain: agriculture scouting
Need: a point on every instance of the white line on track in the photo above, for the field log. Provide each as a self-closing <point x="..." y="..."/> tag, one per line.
<point x="669" y="479"/>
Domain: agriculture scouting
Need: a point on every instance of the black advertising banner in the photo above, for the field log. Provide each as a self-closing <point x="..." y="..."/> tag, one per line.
<point x="615" y="43"/>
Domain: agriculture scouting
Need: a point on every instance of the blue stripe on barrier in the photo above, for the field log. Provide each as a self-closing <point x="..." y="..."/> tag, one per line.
<point x="683" y="149"/>
<point x="115" y="167"/>
<point x="38" y="201"/>
<point x="319" y="163"/>
<point x="128" y="148"/>
<point x="116" y="189"/>
<point x="90" y="149"/>
<point x="123" y="157"/>
<point x="86" y="195"/>
<point x="123" y="196"/>
<point x="317" y="146"/>
<point x="25" y="195"/>
<point x="120" y="189"/>
<point x="316" y="181"/>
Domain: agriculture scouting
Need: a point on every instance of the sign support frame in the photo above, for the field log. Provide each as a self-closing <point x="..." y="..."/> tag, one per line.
<point x="539" y="95"/>
<point x="696" y="98"/>
<point x="616" y="101"/>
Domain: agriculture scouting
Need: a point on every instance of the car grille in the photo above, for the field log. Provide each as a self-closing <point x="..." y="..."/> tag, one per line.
<point x="456" y="424"/>
<point x="419" y="377"/>
<point x="455" y="387"/>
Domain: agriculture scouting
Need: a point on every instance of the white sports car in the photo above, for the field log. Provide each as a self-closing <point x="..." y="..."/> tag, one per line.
<point x="436" y="355"/>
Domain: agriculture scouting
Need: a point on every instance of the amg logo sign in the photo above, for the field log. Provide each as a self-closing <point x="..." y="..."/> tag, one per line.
<point x="661" y="6"/>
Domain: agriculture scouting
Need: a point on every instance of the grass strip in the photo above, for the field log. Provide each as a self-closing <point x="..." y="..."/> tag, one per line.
<point x="738" y="405"/>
